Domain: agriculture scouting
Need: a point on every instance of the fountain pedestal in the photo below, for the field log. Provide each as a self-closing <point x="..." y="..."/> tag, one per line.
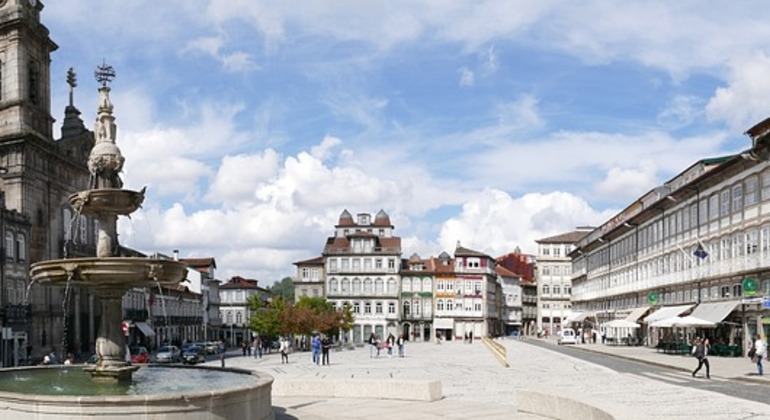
<point x="111" y="366"/>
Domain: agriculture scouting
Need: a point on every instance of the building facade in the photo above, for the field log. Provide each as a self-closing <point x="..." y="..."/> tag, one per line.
<point x="523" y="266"/>
<point x="362" y="263"/>
<point x="310" y="279"/>
<point x="554" y="280"/>
<point x="700" y="243"/>
<point x="234" y="308"/>
<point x="417" y="297"/>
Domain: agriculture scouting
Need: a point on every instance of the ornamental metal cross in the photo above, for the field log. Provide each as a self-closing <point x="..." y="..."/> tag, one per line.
<point x="104" y="73"/>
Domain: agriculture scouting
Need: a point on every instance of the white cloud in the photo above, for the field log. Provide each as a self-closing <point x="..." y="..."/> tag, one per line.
<point x="681" y="111"/>
<point x="467" y="78"/>
<point x="628" y="184"/>
<point x="745" y="100"/>
<point x="323" y="150"/>
<point x="521" y="114"/>
<point x="490" y="60"/>
<point x="495" y="223"/>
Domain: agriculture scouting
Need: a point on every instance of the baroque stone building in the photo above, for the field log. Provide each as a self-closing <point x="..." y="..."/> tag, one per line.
<point x="37" y="175"/>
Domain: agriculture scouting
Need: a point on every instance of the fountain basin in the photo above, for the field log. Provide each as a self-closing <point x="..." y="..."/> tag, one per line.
<point x="107" y="200"/>
<point x="170" y="393"/>
<point x="109" y="273"/>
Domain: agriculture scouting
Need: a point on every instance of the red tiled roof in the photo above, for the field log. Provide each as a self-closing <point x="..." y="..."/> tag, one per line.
<point x="238" y="282"/>
<point x="199" y="263"/>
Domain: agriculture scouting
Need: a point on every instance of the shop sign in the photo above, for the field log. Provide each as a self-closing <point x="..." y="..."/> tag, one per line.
<point x="749" y="286"/>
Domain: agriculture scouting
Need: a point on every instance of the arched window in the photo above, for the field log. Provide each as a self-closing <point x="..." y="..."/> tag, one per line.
<point x="9" y="242"/>
<point x="356" y="286"/>
<point x="379" y="287"/>
<point x="416" y="285"/>
<point x="392" y="289"/>
<point x="21" y="247"/>
<point x="345" y="286"/>
<point x="426" y="285"/>
<point x="439" y="305"/>
<point x="416" y="307"/>
<point x="406" y="285"/>
<point x="229" y="317"/>
<point x="367" y="286"/>
<point x="407" y="308"/>
<point x="238" y="318"/>
<point x="333" y="286"/>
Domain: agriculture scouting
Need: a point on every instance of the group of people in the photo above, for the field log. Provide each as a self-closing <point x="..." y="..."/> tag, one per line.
<point x="701" y="346"/>
<point x="320" y="346"/>
<point x="376" y="344"/>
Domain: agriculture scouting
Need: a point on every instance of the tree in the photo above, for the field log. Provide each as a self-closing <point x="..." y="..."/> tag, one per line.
<point x="266" y="316"/>
<point x="284" y="289"/>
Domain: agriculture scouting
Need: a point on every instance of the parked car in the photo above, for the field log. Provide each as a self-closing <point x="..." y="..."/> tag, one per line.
<point x="168" y="354"/>
<point x="194" y="354"/>
<point x="140" y="355"/>
<point x="211" y="347"/>
<point x="567" y="336"/>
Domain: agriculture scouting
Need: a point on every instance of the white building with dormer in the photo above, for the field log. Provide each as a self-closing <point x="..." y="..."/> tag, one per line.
<point x="362" y="262"/>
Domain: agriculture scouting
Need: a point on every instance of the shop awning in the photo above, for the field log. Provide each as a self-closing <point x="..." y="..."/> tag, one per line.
<point x="145" y="328"/>
<point x="715" y="312"/>
<point x="637" y="313"/>
<point x="444" y="323"/>
<point x="578" y="317"/>
<point x="667" y="312"/>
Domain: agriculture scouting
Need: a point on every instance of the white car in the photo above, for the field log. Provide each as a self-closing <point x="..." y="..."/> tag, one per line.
<point x="567" y="336"/>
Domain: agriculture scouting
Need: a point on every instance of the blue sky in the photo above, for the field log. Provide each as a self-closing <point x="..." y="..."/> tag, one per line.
<point x="253" y="124"/>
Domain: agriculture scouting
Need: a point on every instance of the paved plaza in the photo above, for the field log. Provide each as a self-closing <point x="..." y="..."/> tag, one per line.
<point x="476" y="385"/>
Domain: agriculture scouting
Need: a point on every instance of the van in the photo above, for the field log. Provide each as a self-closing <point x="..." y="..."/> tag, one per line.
<point x="567" y="336"/>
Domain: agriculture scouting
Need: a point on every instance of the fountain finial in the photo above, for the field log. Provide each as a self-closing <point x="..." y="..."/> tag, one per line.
<point x="105" y="161"/>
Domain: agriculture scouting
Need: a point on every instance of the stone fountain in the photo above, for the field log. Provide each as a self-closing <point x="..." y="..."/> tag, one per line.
<point x="116" y="390"/>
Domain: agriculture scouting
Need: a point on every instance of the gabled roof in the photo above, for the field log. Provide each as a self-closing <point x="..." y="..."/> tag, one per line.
<point x="239" y="282"/>
<point x="505" y="272"/>
<point x="343" y="244"/>
<point x="465" y="252"/>
<point x="200" y="263"/>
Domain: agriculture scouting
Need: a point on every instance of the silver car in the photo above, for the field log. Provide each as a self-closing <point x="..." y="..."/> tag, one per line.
<point x="168" y="354"/>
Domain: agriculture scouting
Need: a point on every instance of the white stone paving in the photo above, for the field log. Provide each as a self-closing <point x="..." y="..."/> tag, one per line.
<point x="475" y="385"/>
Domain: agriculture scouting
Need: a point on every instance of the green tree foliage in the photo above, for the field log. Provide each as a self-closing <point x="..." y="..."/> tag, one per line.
<point x="266" y="316"/>
<point x="284" y="289"/>
<point x="280" y="317"/>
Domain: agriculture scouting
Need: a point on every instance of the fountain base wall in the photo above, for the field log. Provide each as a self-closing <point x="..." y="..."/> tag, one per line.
<point x="250" y="402"/>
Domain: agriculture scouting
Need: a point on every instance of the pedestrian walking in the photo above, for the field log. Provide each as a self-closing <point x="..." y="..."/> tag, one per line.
<point x="326" y="345"/>
<point x="284" y="349"/>
<point x="700" y="350"/>
<point x="400" y="344"/>
<point x="760" y="351"/>
<point x="315" y="347"/>
<point x="373" y="345"/>
<point x="258" y="347"/>
<point x="390" y="342"/>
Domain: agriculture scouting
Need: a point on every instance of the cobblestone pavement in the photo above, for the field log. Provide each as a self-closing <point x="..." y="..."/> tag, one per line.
<point x="476" y="385"/>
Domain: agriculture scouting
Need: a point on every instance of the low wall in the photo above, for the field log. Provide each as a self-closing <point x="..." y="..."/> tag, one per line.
<point x="413" y="390"/>
<point x="558" y="407"/>
<point x="497" y="349"/>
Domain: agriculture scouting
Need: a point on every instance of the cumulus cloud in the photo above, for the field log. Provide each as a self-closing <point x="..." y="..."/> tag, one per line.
<point x="627" y="184"/>
<point x="494" y="222"/>
<point x="745" y="100"/>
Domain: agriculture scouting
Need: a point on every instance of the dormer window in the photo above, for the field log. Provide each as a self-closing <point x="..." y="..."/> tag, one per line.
<point x="364" y="219"/>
